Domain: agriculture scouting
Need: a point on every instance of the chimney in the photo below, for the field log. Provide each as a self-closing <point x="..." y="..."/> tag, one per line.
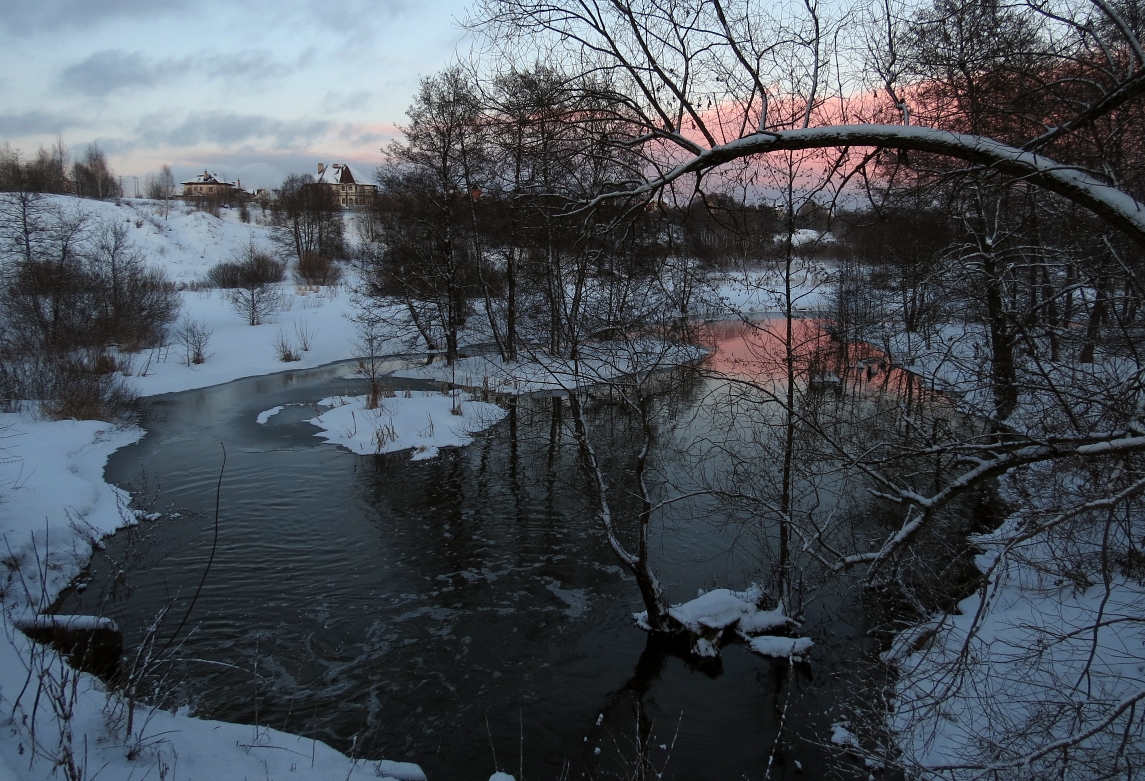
<point x="321" y="168"/>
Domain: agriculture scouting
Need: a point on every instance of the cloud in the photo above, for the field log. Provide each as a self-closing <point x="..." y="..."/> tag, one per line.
<point x="19" y="16"/>
<point x="231" y="129"/>
<point x="111" y="70"/>
<point x="348" y="17"/>
<point x="368" y="136"/>
<point x="32" y="123"/>
<point x="347" y="101"/>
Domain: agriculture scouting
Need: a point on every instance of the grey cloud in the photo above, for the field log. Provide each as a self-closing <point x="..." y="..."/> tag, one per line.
<point x="19" y="16"/>
<point x="110" y="70"/>
<point x="229" y="129"/>
<point x="31" y="123"/>
<point x="347" y="17"/>
<point x="113" y="69"/>
<point x="347" y="101"/>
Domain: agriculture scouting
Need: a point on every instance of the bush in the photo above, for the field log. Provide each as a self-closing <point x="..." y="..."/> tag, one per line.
<point x="193" y="336"/>
<point x="317" y="269"/>
<point x="84" y="386"/>
<point x="73" y="285"/>
<point x="251" y="282"/>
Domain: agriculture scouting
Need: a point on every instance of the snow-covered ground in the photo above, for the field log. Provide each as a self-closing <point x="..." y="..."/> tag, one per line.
<point x="1012" y="667"/>
<point x="1049" y="647"/>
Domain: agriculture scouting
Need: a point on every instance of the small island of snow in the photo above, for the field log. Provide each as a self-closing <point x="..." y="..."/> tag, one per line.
<point x="421" y="421"/>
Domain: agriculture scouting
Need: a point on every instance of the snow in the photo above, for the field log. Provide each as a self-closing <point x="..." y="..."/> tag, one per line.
<point x="843" y="737"/>
<point x="58" y="505"/>
<point x="499" y="776"/>
<point x="423" y="422"/>
<point x="186" y="244"/>
<point x="1027" y="646"/>
<point x="237" y="350"/>
<point x="796" y="648"/>
<point x="711" y="614"/>
<point x="761" y="292"/>
<point x="400" y="771"/>
<point x="68" y="623"/>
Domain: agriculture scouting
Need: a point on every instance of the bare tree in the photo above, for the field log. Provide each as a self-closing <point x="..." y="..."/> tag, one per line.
<point x="162" y="188"/>
<point x="93" y="177"/>
<point x="307" y="220"/>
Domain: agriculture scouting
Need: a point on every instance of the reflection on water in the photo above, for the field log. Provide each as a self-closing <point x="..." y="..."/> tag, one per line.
<point x="421" y="610"/>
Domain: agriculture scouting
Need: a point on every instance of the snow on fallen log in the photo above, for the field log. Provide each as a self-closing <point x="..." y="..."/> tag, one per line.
<point x="93" y="644"/>
<point x="781" y="647"/>
<point x="65" y="623"/>
<point x="708" y="617"/>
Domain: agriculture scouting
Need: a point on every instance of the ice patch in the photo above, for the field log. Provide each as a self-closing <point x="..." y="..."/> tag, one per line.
<point x="266" y="415"/>
<point x="576" y="599"/>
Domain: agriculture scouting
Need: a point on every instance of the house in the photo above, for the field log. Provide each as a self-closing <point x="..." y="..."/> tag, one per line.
<point x="352" y="191"/>
<point x="210" y="186"/>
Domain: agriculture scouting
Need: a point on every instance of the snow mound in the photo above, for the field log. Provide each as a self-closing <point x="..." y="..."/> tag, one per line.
<point x="423" y="422"/>
<point x="400" y="771"/>
<point x="843" y="737"/>
<point x="707" y="617"/>
<point x="795" y="648"/>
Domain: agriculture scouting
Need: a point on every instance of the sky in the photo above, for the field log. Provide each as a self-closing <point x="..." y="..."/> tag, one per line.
<point x="250" y="89"/>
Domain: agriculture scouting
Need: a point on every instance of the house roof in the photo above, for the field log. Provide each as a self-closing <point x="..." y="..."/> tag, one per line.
<point x="339" y="173"/>
<point x="209" y="178"/>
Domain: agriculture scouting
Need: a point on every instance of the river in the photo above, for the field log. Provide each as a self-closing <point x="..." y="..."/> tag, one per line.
<point x="454" y="610"/>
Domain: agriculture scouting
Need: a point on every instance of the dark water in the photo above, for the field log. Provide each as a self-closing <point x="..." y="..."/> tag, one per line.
<point x="440" y="611"/>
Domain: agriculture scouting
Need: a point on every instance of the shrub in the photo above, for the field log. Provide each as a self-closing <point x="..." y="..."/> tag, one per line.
<point x="315" y="268"/>
<point x="193" y="336"/>
<point x="251" y="283"/>
<point x="80" y="386"/>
